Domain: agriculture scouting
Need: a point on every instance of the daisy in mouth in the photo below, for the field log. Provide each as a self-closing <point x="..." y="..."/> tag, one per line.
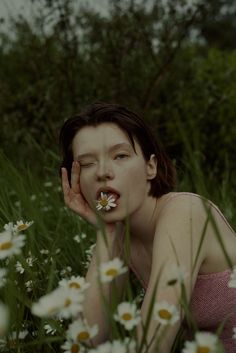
<point x="105" y="202"/>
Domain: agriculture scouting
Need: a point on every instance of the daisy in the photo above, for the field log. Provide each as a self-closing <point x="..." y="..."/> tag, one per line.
<point x="78" y="283"/>
<point x="111" y="269"/>
<point x="49" y="329"/>
<point x="3" y="272"/>
<point x="232" y="281"/>
<point x="80" y="331"/>
<point x="204" y="342"/>
<point x="190" y="347"/>
<point x="165" y="313"/>
<point x="128" y="315"/>
<point x="10" y="244"/>
<point x="176" y="274"/>
<point x="20" y="225"/>
<point x="19" y="267"/>
<point x="29" y="286"/>
<point x="105" y="202"/>
<point x="62" y="302"/>
<point x="72" y="347"/>
<point x="8" y="226"/>
<point x="102" y="348"/>
<point x="4" y="319"/>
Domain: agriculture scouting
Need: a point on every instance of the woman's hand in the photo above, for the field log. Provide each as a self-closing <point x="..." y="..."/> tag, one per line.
<point x="73" y="197"/>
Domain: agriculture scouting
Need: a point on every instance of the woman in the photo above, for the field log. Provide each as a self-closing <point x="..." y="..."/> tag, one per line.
<point x="112" y="165"/>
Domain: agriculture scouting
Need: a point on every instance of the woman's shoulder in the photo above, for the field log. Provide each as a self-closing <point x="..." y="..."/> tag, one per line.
<point x="198" y="205"/>
<point x="181" y="200"/>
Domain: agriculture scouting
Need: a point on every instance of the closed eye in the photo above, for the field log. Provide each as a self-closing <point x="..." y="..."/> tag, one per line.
<point x="121" y="156"/>
<point x="87" y="164"/>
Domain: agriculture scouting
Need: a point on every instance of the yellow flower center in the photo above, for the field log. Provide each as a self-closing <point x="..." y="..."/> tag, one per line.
<point x="82" y="336"/>
<point x="67" y="302"/>
<point x="103" y="202"/>
<point x="6" y="246"/>
<point x="126" y="316"/>
<point x="165" y="314"/>
<point x="21" y="227"/>
<point x="203" y="349"/>
<point x="74" y="348"/>
<point x="112" y="272"/>
<point x="74" y="285"/>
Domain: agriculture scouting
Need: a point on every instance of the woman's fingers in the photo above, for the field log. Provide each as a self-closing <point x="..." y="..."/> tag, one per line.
<point x="65" y="184"/>
<point x="75" y="170"/>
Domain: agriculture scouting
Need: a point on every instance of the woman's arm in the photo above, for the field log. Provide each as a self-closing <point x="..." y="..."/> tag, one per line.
<point x="176" y="241"/>
<point x="93" y="305"/>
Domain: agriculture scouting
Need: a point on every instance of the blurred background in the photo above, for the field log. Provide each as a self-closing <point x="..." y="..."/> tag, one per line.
<point x="172" y="61"/>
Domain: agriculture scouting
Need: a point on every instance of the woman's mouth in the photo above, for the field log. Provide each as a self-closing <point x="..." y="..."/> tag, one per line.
<point x="107" y="200"/>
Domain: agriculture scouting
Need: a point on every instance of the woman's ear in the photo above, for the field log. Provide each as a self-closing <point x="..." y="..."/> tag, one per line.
<point x="151" y="167"/>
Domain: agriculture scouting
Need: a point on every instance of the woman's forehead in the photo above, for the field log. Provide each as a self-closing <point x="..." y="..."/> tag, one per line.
<point x="104" y="135"/>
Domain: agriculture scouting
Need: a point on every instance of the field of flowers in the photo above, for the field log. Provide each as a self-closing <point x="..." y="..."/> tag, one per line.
<point x="45" y="251"/>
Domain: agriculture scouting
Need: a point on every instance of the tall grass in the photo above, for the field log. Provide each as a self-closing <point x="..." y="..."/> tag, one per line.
<point x="30" y="193"/>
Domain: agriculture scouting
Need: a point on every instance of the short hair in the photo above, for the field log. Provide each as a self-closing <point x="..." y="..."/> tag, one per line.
<point x="136" y="129"/>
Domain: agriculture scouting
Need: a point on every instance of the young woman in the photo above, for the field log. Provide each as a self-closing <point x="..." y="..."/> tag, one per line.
<point x="113" y="165"/>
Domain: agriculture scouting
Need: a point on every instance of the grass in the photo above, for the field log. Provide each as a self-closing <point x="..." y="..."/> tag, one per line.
<point x="35" y="194"/>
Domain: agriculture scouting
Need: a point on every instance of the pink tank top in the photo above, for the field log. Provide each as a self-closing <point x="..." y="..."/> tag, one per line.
<point x="212" y="301"/>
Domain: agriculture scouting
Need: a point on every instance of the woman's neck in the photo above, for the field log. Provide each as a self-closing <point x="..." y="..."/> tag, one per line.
<point x="143" y="221"/>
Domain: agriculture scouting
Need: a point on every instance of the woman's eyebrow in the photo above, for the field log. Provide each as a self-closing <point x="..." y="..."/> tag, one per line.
<point x="111" y="149"/>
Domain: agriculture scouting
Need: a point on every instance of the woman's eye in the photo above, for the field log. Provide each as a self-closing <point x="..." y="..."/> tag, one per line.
<point x="121" y="156"/>
<point x="86" y="164"/>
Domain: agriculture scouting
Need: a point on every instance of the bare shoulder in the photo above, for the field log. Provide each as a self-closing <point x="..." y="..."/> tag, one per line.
<point x="185" y="205"/>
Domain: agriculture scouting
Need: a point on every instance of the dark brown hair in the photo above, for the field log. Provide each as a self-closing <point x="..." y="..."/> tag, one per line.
<point x="135" y="127"/>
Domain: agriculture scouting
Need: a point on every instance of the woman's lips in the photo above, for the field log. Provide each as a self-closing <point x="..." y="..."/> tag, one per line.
<point x="108" y="191"/>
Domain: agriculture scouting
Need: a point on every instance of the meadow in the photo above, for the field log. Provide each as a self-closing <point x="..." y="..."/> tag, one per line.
<point x="52" y="245"/>
<point x="174" y="63"/>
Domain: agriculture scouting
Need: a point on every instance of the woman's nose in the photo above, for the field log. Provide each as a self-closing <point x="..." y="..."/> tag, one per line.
<point x="104" y="171"/>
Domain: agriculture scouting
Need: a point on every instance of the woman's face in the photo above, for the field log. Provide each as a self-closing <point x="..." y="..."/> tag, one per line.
<point x="107" y="160"/>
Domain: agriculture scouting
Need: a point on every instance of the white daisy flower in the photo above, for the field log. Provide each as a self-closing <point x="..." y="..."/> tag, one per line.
<point x="117" y="346"/>
<point x="190" y="347"/>
<point x="62" y="302"/>
<point x="72" y="347"/>
<point x="4" y="319"/>
<point x="20" y="335"/>
<point x="128" y="315"/>
<point x="80" y="331"/>
<point x="175" y="274"/>
<point x="29" y="286"/>
<point x="77" y="238"/>
<point x="105" y="202"/>
<point x="204" y="342"/>
<point x="49" y="329"/>
<point x="78" y="283"/>
<point x="165" y="313"/>
<point x="8" y="226"/>
<point x="10" y="244"/>
<point x="44" y="251"/>
<point x="111" y="269"/>
<point x="19" y="267"/>
<point x="102" y="348"/>
<point x="3" y="272"/>
<point x="232" y="281"/>
<point x="21" y="225"/>
<point x="234" y="333"/>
